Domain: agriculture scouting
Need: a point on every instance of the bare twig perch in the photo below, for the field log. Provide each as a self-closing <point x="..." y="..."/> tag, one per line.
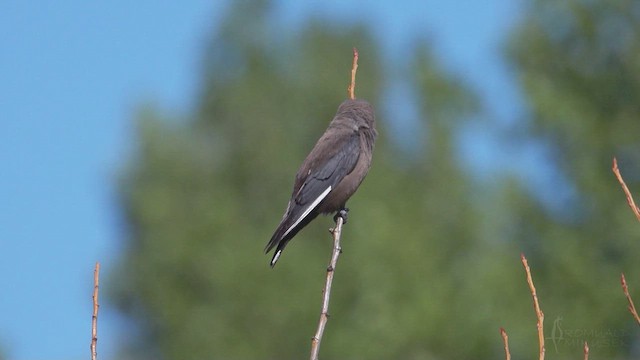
<point x="354" y="68"/>
<point x="536" y="306"/>
<point x="632" y="204"/>
<point x="631" y="307"/>
<point x="505" y="339"/>
<point x="94" y="317"/>
<point x="326" y="292"/>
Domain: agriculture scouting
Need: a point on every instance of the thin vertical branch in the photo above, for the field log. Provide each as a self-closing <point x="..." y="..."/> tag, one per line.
<point x="94" y="318"/>
<point x="505" y="340"/>
<point x="326" y="291"/>
<point x="337" y="249"/>
<point x="630" y="201"/>
<point x="354" y="68"/>
<point x="536" y="306"/>
<point x="631" y="307"/>
<point x="586" y="351"/>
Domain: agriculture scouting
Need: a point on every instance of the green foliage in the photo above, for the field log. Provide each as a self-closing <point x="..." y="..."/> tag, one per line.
<point x="430" y="268"/>
<point x="578" y="64"/>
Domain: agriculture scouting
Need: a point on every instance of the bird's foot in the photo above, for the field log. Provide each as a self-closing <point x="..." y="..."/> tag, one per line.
<point x="342" y="214"/>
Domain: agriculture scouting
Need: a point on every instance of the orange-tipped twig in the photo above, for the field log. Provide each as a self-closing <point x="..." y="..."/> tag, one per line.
<point x="631" y="307"/>
<point x="536" y="306"/>
<point x="354" y="68"/>
<point x="94" y="317"/>
<point x="630" y="201"/>
<point x="586" y="351"/>
<point x="326" y="292"/>
<point x="505" y="340"/>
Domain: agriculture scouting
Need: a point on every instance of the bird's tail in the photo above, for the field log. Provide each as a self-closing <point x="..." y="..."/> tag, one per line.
<point x="278" y="252"/>
<point x="278" y="239"/>
<point x="284" y="233"/>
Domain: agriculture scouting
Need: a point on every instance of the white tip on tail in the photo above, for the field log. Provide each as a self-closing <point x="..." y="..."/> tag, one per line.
<point x="308" y="210"/>
<point x="276" y="257"/>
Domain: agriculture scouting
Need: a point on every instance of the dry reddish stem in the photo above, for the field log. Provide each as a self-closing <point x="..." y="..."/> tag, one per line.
<point x="326" y="291"/>
<point x="94" y="317"/>
<point x="631" y="307"/>
<point x="354" y="68"/>
<point x="586" y="351"/>
<point x="536" y="306"/>
<point x="630" y="201"/>
<point x="505" y="340"/>
<point x="636" y="211"/>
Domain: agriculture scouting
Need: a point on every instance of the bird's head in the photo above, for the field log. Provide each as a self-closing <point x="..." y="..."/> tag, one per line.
<point x="359" y="114"/>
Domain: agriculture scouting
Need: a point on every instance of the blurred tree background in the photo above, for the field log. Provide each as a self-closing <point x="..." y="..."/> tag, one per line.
<point x="431" y="265"/>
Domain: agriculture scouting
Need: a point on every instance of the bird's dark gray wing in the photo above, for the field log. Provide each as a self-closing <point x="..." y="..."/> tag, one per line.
<point x="329" y="162"/>
<point x="343" y="156"/>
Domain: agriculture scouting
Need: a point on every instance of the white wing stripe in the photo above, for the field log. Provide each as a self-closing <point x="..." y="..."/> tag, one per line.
<point x="308" y="210"/>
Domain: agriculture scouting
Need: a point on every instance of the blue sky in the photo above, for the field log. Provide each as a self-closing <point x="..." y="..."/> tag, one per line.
<point x="71" y="76"/>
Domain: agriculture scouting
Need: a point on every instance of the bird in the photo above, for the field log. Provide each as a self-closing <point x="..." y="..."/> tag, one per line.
<point x="331" y="173"/>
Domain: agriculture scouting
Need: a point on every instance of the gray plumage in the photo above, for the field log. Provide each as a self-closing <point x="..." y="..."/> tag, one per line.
<point x="331" y="173"/>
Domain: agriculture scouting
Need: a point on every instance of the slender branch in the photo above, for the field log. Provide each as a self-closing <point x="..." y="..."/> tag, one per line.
<point x="636" y="211"/>
<point x="631" y="307"/>
<point x="586" y="351"/>
<point x="536" y="306"/>
<point x="94" y="318"/>
<point x="632" y="204"/>
<point x="354" y="68"/>
<point x="505" y="339"/>
<point x="326" y="291"/>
